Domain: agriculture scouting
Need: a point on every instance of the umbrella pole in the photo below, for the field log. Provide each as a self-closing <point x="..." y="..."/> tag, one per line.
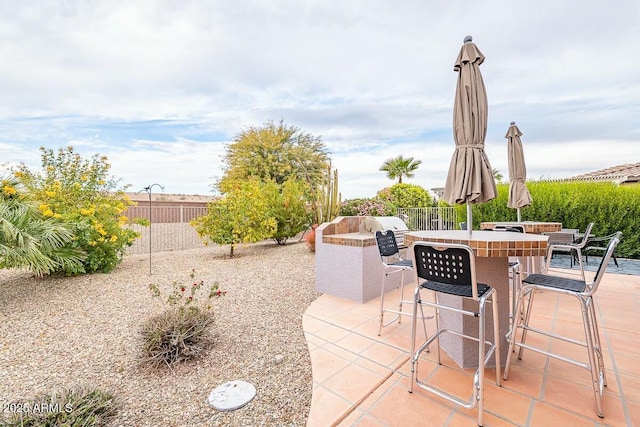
<point x="519" y="217"/>
<point x="469" y="218"/>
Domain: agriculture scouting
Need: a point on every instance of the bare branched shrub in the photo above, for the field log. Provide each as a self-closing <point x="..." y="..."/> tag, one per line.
<point x="183" y="331"/>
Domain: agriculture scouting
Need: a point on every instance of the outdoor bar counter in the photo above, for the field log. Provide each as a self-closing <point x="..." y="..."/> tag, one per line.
<point x="535" y="227"/>
<point x="533" y="264"/>
<point x="492" y="251"/>
<point x="348" y="262"/>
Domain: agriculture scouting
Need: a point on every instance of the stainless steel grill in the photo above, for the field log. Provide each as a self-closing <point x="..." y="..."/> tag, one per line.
<point x="382" y="223"/>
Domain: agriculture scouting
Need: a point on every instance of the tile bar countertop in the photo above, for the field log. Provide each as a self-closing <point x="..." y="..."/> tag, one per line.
<point x="535" y="227"/>
<point x="486" y="243"/>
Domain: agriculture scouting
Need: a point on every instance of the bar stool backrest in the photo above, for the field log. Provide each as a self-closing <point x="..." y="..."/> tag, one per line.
<point x="387" y="244"/>
<point x="446" y="263"/>
<point x="582" y="241"/>
<point x="604" y="262"/>
<point x="517" y="228"/>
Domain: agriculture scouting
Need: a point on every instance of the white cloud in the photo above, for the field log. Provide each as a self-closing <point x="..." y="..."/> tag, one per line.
<point x="374" y="78"/>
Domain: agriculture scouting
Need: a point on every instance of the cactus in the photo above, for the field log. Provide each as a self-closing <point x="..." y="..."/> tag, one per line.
<point x="327" y="203"/>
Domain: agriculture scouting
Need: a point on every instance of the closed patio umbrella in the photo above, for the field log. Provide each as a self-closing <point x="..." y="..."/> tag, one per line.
<point x="519" y="195"/>
<point x="470" y="178"/>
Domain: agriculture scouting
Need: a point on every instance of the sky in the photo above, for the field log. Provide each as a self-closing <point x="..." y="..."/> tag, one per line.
<point x="162" y="87"/>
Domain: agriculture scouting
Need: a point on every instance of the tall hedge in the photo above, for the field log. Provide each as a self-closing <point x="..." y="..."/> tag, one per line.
<point x="575" y="204"/>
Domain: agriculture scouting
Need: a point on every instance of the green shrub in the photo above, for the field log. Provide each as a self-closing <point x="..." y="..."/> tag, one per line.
<point x="406" y="196"/>
<point x="70" y="407"/>
<point x="241" y="216"/>
<point x="182" y="331"/>
<point x="81" y="193"/>
<point x="575" y="204"/>
<point x="287" y="206"/>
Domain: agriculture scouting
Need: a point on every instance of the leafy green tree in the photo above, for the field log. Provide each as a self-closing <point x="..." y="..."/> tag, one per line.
<point x="30" y="240"/>
<point x="406" y="196"/>
<point x="83" y="195"/>
<point x="242" y="215"/>
<point x="274" y="152"/>
<point x="397" y="167"/>
<point x="295" y="162"/>
<point x="288" y="207"/>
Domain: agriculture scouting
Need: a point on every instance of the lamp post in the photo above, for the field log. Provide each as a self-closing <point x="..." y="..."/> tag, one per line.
<point x="148" y="189"/>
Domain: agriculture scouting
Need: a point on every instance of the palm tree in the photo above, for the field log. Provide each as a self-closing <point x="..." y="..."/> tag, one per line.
<point x="497" y="175"/>
<point x="29" y="240"/>
<point x="397" y="167"/>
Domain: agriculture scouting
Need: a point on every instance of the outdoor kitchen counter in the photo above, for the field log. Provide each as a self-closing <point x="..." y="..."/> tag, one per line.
<point x="348" y="263"/>
<point x="350" y="239"/>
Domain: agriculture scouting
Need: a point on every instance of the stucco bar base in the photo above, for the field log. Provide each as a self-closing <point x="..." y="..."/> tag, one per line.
<point x="348" y="263"/>
<point x="493" y="272"/>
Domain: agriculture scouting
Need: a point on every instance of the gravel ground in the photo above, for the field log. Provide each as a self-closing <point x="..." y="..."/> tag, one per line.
<point x="60" y="332"/>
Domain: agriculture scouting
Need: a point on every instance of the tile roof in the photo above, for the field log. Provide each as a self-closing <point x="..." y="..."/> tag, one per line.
<point x="622" y="173"/>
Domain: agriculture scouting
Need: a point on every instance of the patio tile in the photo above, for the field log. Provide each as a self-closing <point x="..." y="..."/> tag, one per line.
<point x="628" y="363"/>
<point x="374" y="366"/>
<point x="634" y="412"/>
<point x="507" y="404"/>
<point x="385" y="354"/>
<point x="398" y="407"/>
<point x="547" y="415"/>
<point x="344" y="343"/>
<point x="325" y="363"/>
<point x="348" y="320"/>
<point x="579" y="399"/>
<point x="631" y="387"/>
<point x="373" y="398"/>
<point x="312" y="324"/>
<point x="461" y="420"/>
<point x="353" y="382"/>
<point x="341" y="352"/>
<point x="524" y="381"/>
<point x="623" y="341"/>
<point x="331" y="333"/>
<point x="322" y="399"/>
<point x="361" y="419"/>
<point x="355" y="343"/>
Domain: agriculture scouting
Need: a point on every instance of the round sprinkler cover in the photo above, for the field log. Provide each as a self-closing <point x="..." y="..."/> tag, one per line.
<point x="232" y="395"/>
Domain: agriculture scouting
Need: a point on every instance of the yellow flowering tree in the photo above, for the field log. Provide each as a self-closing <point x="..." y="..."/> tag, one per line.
<point x="242" y="215"/>
<point x="29" y="240"/>
<point x="82" y="194"/>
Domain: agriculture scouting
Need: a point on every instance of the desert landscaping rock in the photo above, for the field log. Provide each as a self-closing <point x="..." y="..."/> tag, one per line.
<point x="61" y="332"/>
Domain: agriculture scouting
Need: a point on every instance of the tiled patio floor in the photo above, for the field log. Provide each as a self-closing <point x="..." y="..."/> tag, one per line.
<point x="362" y="379"/>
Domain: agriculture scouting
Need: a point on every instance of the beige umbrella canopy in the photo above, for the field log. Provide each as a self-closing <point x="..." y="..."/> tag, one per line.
<point x="470" y="178"/>
<point x="519" y="195"/>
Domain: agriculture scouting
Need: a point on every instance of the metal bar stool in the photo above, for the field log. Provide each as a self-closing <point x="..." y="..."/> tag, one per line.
<point x="449" y="268"/>
<point x="574" y="248"/>
<point x="392" y="263"/>
<point x="583" y="291"/>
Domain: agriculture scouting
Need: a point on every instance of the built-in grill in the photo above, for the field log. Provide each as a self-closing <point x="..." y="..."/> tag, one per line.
<point x="382" y="223"/>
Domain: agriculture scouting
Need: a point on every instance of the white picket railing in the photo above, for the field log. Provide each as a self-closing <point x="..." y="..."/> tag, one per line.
<point x="431" y="218"/>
